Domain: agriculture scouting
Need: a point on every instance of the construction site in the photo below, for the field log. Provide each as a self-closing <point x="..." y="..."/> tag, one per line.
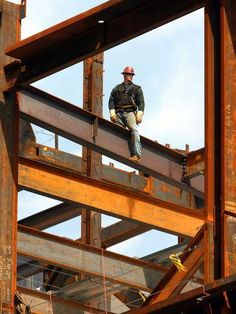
<point x="184" y="193"/>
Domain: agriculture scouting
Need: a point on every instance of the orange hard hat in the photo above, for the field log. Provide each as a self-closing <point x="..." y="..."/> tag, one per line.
<point x="128" y="70"/>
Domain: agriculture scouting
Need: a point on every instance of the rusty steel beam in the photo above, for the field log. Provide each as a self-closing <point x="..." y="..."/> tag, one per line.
<point x="51" y="216"/>
<point x="111" y="235"/>
<point x="97" y="195"/>
<point x="27" y="269"/>
<point x="146" y="184"/>
<point x="121" y="231"/>
<point x="195" y="166"/>
<point x="195" y="300"/>
<point x="228" y="136"/>
<point x="46" y="302"/>
<point x="9" y="122"/>
<point x="83" y="258"/>
<point x="212" y="136"/>
<point x="92" y="161"/>
<point x="82" y="36"/>
<point x="174" y="280"/>
<point x="102" y="136"/>
<point x="89" y="290"/>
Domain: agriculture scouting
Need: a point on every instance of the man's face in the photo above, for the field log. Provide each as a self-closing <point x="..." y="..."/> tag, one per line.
<point x="128" y="78"/>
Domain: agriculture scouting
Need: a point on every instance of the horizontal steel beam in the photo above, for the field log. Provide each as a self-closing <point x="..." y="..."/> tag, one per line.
<point x="111" y="235"/>
<point x="121" y="231"/>
<point x="52" y="216"/>
<point x="101" y="135"/>
<point x="82" y="36"/>
<point x="146" y="184"/>
<point x="108" y="199"/>
<point x="89" y="289"/>
<point x="48" y="303"/>
<point x="83" y="258"/>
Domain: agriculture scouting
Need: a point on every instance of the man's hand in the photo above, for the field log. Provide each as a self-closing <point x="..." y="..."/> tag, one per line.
<point x="139" y="116"/>
<point x="113" y="116"/>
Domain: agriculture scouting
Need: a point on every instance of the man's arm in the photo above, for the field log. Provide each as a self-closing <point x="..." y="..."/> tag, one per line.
<point x="140" y="105"/>
<point x="112" y="105"/>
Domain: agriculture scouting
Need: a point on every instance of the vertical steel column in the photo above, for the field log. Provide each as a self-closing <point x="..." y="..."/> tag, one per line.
<point x="92" y="161"/>
<point x="228" y="111"/>
<point x="212" y="136"/>
<point x="9" y="34"/>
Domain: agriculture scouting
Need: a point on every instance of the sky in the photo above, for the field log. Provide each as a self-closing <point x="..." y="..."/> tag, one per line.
<point x="169" y="65"/>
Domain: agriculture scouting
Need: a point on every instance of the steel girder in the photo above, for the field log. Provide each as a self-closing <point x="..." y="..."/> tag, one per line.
<point x="101" y="135"/>
<point x="98" y="195"/>
<point x="9" y="122"/>
<point x="82" y="36"/>
<point x="80" y="257"/>
<point x="45" y="302"/>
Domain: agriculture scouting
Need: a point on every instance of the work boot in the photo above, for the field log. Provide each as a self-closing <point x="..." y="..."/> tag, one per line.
<point x="135" y="158"/>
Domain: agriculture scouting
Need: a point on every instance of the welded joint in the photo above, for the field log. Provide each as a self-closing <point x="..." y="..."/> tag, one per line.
<point x="12" y="70"/>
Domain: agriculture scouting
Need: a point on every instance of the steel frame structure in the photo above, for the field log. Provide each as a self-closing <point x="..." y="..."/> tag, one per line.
<point x="173" y="195"/>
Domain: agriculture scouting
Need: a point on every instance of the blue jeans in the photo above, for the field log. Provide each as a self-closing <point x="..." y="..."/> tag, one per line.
<point x="128" y="119"/>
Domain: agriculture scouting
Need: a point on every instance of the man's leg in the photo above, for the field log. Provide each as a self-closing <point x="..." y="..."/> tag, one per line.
<point x="135" y="138"/>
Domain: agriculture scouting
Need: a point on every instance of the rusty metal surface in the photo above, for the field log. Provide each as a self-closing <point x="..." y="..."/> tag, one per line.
<point x="121" y="231"/>
<point x="92" y="161"/>
<point x="228" y="152"/>
<point x="82" y="36"/>
<point x="96" y="195"/>
<point x="9" y="33"/>
<point x="174" y="280"/>
<point x="45" y="302"/>
<point x="87" y="259"/>
<point x="148" y="185"/>
<point x="229" y="244"/>
<point x="194" y="300"/>
<point x="111" y="140"/>
<point x="89" y="290"/>
<point x="212" y="138"/>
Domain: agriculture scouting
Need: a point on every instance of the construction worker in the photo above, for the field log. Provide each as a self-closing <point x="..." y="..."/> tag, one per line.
<point x="126" y="107"/>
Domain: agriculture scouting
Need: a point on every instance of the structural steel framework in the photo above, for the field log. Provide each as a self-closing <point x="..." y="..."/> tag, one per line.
<point x="192" y="195"/>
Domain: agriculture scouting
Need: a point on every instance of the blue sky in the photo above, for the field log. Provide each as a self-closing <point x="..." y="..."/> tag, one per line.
<point x="169" y="65"/>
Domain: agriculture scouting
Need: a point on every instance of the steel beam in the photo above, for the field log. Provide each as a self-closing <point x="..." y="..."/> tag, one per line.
<point x="89" y="290"/>
<point x="146" y="184"/>
<point x="82" y="36"/>
<point x="228" y="137"/>
<point x="174" y="280"/>
<point x="102" y="136"/>
<point x="92" y="161"/>
<point x="111" y="235"/>
<point x="194" y="300"/>
<point x="98" y="195"/>
<point x="48" y="303"/>
<point x="121" y="231"/>
<point x="9" y="122"/>
<point x="51" y="216"/>
<point x="195" y="167"/>
<point x="212" y="137"/>
<point x="55" y="250"/>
